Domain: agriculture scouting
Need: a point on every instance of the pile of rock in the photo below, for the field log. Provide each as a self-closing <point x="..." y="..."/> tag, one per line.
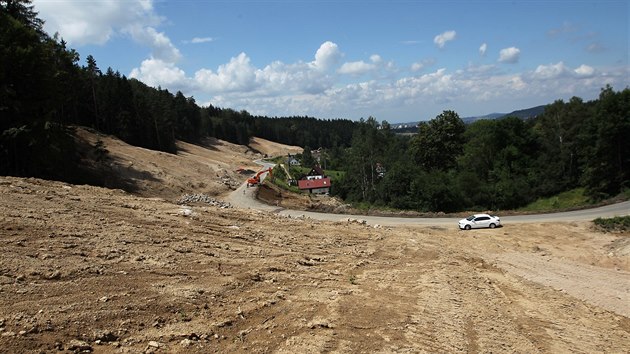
<point x="202" y="198"/>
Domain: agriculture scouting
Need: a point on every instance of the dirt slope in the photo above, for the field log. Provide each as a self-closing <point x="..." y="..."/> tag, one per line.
<point x="87" y="268"/>
<point x="209" y="168"/>
<point x="271" y="148"/>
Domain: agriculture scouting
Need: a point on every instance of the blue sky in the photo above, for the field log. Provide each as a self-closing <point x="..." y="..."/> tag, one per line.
<point x="398" y="61"/>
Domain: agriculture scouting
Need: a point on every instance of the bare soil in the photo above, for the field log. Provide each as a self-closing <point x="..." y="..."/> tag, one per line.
<point x="93" y="269"/>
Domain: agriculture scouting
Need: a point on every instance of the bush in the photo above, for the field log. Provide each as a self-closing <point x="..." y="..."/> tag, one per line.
<point x="618" y="223"/>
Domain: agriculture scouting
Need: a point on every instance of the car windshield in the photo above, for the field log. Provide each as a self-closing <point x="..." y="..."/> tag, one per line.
<point x="470" y="218"/>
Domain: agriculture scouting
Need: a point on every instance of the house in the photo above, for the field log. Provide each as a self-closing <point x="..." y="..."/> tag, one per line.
<point x="292" y="161"/>
<point x="315" y="182"/>
<point x="315" y="186"/>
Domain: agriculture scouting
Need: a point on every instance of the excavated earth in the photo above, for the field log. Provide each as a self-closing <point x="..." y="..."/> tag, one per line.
<point x="90" y="269"/>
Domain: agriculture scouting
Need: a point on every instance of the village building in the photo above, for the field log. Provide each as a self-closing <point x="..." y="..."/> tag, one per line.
<point x="315" y="182"/>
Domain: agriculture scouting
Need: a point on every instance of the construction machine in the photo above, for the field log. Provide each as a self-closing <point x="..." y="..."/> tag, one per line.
<point x="256" y="179"/>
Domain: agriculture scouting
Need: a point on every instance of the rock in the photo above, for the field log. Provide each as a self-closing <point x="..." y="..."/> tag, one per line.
<point x="186" y="212"/>
<point x="154" y="344"/>
<point x="105" y="336"/>
<point x="79" y="346"/>
<point x="186" y="343"/>
<point x="56" y="275"/>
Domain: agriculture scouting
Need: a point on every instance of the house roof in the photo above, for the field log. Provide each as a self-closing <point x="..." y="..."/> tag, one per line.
<point x="314" y="183"/>
<point x="316" y="171"/>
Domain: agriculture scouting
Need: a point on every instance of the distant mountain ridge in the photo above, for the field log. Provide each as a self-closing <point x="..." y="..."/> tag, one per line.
<point x="526" y="113"/>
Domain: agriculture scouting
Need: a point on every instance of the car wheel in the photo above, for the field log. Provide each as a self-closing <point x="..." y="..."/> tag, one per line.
<point x="467" y="227"/>
<point x="492" y="226"/>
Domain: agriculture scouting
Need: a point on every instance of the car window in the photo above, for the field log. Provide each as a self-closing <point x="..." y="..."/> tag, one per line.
<point x="470" y="218"/>
<point x="482" y="218"/>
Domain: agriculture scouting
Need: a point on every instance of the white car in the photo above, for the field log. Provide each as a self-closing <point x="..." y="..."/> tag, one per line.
<point x="479" y="221"/>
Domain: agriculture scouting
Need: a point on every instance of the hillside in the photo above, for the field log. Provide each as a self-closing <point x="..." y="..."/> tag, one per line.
<point x="91" y="269"/>
<point x="209" y="168"/>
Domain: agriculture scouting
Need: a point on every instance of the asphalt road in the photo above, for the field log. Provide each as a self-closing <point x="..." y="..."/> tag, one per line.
<point x="620" y="209"/>
<point x="243" y="197"/>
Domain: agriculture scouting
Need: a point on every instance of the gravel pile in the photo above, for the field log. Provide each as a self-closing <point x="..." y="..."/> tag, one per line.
<point x="202" y="198"/>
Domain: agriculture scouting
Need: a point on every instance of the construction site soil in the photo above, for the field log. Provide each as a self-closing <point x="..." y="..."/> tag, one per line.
<point x="92" y="269"/>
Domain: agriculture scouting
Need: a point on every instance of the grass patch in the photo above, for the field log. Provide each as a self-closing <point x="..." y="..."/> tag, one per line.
<point x="284" y="185"/>
<point x="618" y="223"/>
<point x="572" y="199"/>
<point x="276" y="159"/>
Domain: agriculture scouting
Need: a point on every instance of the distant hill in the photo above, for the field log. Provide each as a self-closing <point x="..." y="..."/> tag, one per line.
<point x="527" y="113"/>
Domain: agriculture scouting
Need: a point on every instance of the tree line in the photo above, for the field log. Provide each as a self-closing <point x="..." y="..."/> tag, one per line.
<point x="493" y="164"/>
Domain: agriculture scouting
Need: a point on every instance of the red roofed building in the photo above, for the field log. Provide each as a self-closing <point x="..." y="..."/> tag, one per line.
<point x="316" y="186"/>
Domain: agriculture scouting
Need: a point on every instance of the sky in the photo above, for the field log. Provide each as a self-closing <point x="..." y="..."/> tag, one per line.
<point x="399" y="61"/>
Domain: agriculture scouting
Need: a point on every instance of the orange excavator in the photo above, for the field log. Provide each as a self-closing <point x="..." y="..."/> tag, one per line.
<point x="256" y="179"/>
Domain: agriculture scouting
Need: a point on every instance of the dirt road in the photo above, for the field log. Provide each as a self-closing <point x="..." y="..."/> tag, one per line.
<point x="91" y="269"/>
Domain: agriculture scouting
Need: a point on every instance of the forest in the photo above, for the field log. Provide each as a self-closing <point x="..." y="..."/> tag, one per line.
<point x="493" y="164"/>
<point x="446" y="166"/>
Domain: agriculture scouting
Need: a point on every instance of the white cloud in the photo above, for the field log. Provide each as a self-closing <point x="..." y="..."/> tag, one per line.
<point x="198" y="40"/>
<point x="553" y="71"/>
<point x="237" y="75"/>
<point x="155" y="72"/>
<point x="161" y="45"/>
<point x="356" y="68"/>
<point x="584" y="71"/>
<point x="442" y="38"/>
<point x="482" y="49"/>
<point x="361" y="67"/>
<point x="94" y="22"/>
<point x="417" y="66"/>
<point x="509" y="55"/>
<point x="326" y="56"/>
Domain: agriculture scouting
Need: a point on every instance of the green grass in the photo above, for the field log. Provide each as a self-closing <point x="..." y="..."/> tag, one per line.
<point x="567" y="200"/>
<point x="277" y="159"/>
<point x="283" y="184"/>
<point x="618" y="223"/>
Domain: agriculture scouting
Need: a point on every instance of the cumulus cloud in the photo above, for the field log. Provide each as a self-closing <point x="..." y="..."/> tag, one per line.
<point x="483" y="48"/>
<point x="509" y="55"/>
<point x="552" y="71"/>
<point x="584" y="71"/>
<point x="326" y="56"/>
<point x="155" y="72"/>
<point x="441" y="39"/>
<point x="361" y="67"/>
<point x="237" y="75"/>
<point x="160" y="44"/>
<point x="94" y="22"/>
<point x="356" y="68"/>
